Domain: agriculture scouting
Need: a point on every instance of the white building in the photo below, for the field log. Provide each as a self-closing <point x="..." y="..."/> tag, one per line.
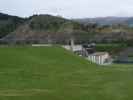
<point x="101" y="58"/>
<point x="73" y="48"/>
<point x="41" y="45"/>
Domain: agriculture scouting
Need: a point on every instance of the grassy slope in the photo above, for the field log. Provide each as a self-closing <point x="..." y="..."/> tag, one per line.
<point x="50" y="73"/>
<point x="113" y="49"/>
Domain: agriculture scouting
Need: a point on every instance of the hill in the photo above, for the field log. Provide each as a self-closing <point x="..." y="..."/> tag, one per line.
<point x="29" y="73"/>
<point x="9" y="23"/>
<point x="107" y="20"/>
<point x="109" y="29"/>
<point x="45" y="29"/>
<point x="58" y="30"/>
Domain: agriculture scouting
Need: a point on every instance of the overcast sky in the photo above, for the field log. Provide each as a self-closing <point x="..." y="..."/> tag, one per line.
<point x="68" y="8"/>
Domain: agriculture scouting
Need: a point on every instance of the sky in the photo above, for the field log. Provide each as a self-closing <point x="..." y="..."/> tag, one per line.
<point x="68" y="8"/>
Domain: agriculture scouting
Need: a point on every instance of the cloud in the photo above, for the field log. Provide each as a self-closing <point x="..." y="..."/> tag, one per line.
<point x="68" y="8"/>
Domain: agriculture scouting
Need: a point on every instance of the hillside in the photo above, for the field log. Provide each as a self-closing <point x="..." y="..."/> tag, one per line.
<point x="45" y="29"/>
<point x="110" y="29"/>
<point x="107" y="20"/>
<point x="29" y="73"/>
<point x="58" y="30"/>
<point x="9" y="23"/>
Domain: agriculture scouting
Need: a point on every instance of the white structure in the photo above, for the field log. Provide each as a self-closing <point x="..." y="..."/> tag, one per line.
<point x="101" y="58"/>
<point x="73" y="48"/>
<point x="41" y="45"/>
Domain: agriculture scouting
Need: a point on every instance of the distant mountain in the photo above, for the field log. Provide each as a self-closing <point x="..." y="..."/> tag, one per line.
<point x="107" y="20"/>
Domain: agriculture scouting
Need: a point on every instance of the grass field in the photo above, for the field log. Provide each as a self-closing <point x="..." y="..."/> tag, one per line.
<point x="51" y="73"/>
<point x="113" y="49"/>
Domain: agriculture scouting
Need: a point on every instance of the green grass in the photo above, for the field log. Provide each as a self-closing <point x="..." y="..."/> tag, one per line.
<point x="51" y="73"/>
<point x="112" y="48"/>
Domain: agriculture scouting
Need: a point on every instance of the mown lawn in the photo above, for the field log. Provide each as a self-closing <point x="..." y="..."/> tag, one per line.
<point x="114" y="48"/>
<point x="51" y="73"/>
